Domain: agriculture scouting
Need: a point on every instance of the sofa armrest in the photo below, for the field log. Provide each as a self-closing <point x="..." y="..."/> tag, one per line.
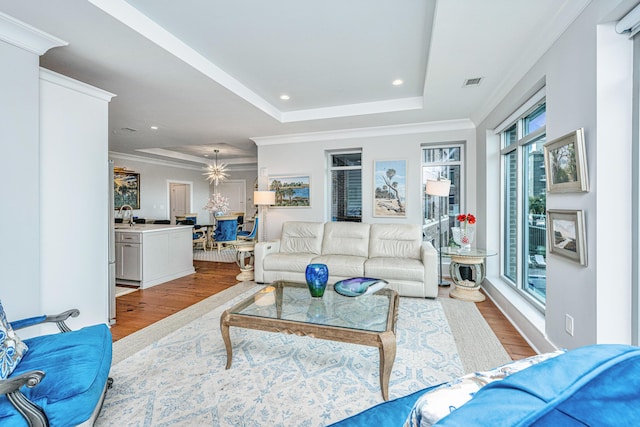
<point x="263" y="249"/>
<point x="59" y="319"/>
<point x="10" y="388"/>
<point x="429" y="256"/>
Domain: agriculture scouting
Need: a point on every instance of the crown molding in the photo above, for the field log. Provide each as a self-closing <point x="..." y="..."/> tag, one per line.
<point x="414" y="128"/>
<point x="26" y="37"/>
<point x="169" y="163"/>
<point x="157" y="162"/>
<point x="195" y="159"/>
<point x="78" y="86"/>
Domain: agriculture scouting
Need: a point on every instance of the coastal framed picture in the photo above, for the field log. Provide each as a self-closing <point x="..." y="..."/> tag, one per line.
<point x="566" y="164"/>
<point x="390" y="188"/>
<point x="126" y="189"/>
<point x="566" y="234"/>
<point x="291" y="191"/>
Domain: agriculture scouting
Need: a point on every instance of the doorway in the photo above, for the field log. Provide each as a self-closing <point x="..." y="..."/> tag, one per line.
<point x="236" y="193"/>
<point x="179" y="199"/>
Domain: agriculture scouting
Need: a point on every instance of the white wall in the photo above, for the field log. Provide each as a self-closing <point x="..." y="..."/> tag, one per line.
<point x="74" y="205"/>
<point x="19" y="216"/>
<point x="310" y="158"/>
<point x="154" y="178"/>
<point x="584" y="83"/>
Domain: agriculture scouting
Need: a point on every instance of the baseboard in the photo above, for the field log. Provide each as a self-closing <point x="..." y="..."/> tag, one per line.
<point x="532" y="330"/>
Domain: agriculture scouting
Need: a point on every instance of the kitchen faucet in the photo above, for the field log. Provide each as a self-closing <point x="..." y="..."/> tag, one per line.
<point x="130" y="215"/>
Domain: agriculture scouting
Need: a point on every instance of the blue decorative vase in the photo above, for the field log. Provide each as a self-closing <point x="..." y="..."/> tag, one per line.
<point x="317" y="276"/>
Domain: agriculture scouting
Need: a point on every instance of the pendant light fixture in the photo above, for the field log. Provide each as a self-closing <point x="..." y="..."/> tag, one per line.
<point x="216" y="172"/>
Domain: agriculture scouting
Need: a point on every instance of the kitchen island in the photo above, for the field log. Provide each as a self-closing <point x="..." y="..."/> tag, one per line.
<point x="151" y="254"/>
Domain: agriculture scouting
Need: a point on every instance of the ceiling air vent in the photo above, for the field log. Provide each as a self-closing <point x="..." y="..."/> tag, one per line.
<point x="472" y="82"/>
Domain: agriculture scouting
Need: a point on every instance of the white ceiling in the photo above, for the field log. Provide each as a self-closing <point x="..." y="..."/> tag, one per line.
<point x="209" y="73"/>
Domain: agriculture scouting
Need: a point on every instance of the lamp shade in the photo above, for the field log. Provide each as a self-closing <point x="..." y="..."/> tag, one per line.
<point x="264" y="197"/>
<point x="440" y="187"/>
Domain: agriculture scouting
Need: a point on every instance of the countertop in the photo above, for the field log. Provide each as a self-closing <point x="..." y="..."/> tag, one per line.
<point x="147" y="228"/>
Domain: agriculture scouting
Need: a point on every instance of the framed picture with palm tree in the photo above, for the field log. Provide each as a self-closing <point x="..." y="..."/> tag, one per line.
<point x="390" y="188"/>
<point x="291" y="191"/>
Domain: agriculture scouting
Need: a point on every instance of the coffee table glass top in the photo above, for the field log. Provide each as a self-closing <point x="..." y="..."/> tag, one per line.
<point x="292" y="301"/>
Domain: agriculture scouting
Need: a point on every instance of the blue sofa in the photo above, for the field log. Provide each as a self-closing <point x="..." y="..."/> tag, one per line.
<point x="61" y="379"/>
<point x="597" y="385"/>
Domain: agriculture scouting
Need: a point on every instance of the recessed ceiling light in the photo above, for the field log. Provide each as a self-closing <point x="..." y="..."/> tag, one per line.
<point x="285" y="97"/>
<point x="397" y="82"/>
<point x="154" y="127"/>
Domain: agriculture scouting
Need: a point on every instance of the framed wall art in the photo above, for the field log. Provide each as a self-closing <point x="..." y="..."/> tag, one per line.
<point x="566" y="234"/>
<point x="291" y="191"/>
<point x="390" y="188"/>
<point x="566" y="164"/>
<point x="126" y="189"/>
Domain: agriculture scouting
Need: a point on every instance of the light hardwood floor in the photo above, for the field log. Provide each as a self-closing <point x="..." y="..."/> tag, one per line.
<point x="139" y="309"/>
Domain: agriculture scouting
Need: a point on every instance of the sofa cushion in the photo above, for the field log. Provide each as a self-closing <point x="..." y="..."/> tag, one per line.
<point x="296" y="262"/>
<point x="76" y="366"/>
<point x="12" y="349"/>
<point x="395" y="269"/>
<point x="346" y="238"/>
<point x="299" y="236"/>
<point x="395" y="241"/>
<point x="342" y="265"/>
<point x="595" y="385"/>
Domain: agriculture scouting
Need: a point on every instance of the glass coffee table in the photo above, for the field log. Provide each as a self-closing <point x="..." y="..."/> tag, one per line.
<point x="288" y="307"/>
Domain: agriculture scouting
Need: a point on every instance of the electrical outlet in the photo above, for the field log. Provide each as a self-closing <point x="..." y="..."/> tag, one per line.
<point x="568" y="324"/>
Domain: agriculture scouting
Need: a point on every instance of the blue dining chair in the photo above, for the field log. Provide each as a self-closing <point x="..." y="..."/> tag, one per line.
<point x="245" y="235"/>
<point x="226" y="232"/>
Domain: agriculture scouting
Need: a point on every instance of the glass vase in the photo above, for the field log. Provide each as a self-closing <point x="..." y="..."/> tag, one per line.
<point x="463" y="236"/>
<point x="317" y="276"/>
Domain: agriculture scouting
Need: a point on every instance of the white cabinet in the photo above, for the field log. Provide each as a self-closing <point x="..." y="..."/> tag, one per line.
<point x="128" y="256"/>
<point x="147" y="255"/>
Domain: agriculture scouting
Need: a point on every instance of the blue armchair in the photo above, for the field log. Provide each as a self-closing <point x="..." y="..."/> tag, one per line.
<point x="62" y="378"/>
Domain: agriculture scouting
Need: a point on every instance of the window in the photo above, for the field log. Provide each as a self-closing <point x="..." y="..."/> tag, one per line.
<point x="346" y="186"/>
<point x="524" y="203"/>
<point x="444" y="161"/>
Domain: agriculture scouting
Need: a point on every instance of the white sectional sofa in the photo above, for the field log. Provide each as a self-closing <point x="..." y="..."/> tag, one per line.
<point x="393" y="252"/>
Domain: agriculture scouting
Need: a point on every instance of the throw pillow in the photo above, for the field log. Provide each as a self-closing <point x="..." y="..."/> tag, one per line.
<point x="441" y="401"/>
<point x="11" y="347"/>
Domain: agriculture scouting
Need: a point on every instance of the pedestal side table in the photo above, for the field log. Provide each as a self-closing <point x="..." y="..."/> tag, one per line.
<point x="244" y="259"/>
<point x="467" y="264"/>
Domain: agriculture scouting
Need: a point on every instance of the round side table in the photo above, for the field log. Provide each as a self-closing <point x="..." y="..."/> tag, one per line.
<point x="244" y="259"/>
<point x="465" y="264"/>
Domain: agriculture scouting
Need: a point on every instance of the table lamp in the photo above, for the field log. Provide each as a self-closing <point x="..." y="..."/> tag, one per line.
<point x="439" y="188"/>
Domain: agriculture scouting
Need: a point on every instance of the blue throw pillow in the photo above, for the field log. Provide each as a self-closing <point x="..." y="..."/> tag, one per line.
<point x="11" y="347"/>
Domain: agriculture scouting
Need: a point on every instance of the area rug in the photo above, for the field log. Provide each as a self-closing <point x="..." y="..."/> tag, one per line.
<point x="275" y="379"/>
<point x="225" y="255"/>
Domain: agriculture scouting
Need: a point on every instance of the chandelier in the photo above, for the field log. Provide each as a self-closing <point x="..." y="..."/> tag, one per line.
<point x="216" y="172"/>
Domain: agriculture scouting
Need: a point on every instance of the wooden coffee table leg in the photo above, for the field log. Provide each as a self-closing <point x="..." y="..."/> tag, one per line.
<point x="224" y="329"/>
<point x="387" y="352"/>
